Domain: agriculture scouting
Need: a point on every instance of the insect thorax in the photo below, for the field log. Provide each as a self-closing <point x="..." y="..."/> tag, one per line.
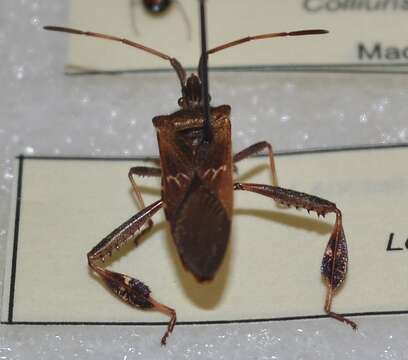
<point x="183" y="131"/>
<point x="183" y="155"/>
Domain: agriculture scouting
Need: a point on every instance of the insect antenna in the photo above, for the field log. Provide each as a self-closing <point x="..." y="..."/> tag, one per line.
<point x="181" y="73"/>
<point x="260" y="37"/>
<point x="203" y="73"/>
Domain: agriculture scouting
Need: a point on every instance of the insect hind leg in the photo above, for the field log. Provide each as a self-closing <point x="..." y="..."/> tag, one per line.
<point x="335" y="259"/>
<point x="327" y="309"/>
<point x="135" y="293"/>
<point x="129" y="289"/>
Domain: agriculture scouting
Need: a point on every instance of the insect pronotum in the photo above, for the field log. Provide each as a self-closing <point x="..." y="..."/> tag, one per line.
<point x="196" y="170"/>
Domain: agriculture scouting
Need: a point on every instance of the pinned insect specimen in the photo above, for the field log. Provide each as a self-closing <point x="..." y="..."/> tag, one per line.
<point x="196" y="170"/>
<point x="159" y="8"/>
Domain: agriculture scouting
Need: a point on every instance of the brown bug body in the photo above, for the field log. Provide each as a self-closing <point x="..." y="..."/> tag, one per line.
<point x="197" y="185"/>
<point x="196" y="169"/>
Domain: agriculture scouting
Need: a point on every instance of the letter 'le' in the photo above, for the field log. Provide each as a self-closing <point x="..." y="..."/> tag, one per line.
<point x="196" y="168"/>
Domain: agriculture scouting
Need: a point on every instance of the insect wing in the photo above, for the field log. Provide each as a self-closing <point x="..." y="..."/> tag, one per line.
<point x="201" y="229"/>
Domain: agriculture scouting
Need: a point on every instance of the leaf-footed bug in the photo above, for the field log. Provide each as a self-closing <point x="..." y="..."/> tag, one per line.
<point x="196" y="170"/>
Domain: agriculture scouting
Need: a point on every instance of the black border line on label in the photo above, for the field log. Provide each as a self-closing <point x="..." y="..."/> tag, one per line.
<point x="342" y="68"/>
<point x="21" y="158"/>
<point x="16" y="234"/>
<point x="208" y="322"/>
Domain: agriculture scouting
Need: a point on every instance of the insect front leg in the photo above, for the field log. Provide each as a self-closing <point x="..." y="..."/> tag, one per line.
<point x="144" y="172"/>
<point x="335" y="259"/>
<point x="130" y="290"/>
<point x="255" y="149"/>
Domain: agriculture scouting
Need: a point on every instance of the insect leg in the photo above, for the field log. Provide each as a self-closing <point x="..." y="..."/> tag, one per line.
<point x="130" y="290"/>
<point x="335" y="258"/>
<point x="142" y="171"/>
<point x="255" y="149"/>
<point x="155" y="161"/>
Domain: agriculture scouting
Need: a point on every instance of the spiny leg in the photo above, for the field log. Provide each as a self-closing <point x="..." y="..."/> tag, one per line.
<point x="142" y="171"/>
<point x="130" y="290"/>
<point x="335" y="259"/>
<point x="255" y="149"/>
